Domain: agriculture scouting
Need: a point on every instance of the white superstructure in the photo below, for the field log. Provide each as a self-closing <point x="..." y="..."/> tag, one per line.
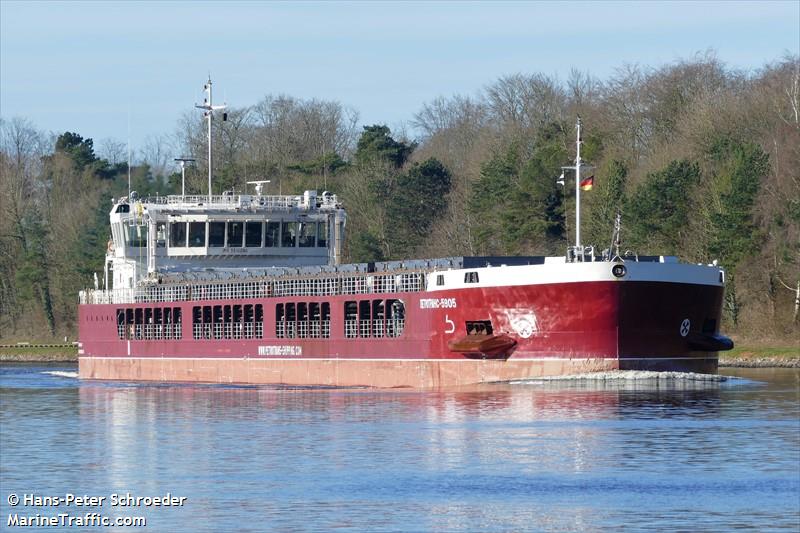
<point x="156" y="236"/>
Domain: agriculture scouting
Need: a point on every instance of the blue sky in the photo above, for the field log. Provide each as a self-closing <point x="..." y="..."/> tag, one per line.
<point x="81" y="66"/>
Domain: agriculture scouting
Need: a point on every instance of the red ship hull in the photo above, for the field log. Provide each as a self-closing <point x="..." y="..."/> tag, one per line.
<point x="552" y="328"/>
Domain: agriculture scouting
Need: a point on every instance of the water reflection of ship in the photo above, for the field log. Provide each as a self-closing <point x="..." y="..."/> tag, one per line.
<point x="537" y="430"/>
<point x="503" y="401"/>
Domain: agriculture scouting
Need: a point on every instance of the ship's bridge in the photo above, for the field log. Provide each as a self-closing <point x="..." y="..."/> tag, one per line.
<point x="173" y="234"/>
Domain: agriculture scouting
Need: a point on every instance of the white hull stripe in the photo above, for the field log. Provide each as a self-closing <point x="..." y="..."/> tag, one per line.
<point x="555" y="273"/>
<point x="387" y="360"/>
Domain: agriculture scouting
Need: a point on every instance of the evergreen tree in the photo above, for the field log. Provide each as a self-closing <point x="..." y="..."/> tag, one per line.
<point x="32" y="273"/>
<point x="376" y="142"/>
<point x="418" y="198"/>
<point x="80" y="150"/>
<point x="734" y="234"/>
<point x="660" y="207"/>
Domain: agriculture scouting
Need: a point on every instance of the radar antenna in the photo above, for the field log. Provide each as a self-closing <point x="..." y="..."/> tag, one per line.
<point x="259" y="185"/>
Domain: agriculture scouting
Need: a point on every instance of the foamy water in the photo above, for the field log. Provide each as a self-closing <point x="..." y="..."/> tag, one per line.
<point x="631" y="375"/>
<point x="60" y="374"/>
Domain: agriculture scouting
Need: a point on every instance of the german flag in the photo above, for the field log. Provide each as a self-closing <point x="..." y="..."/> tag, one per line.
<point x="587" y="183"/>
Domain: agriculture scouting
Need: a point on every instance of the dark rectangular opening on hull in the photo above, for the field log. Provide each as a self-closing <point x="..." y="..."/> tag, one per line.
<point x="364" y="319"/>
<point x="470" y="277"/>
<point x="350" y="319"/>
<point x="121" y="330"/>
<point x="378" y="318"/>
<point x="249" y="324"/>
<point x="325" y="325"/>
<point x="227" y="320"/>
<point x="148" y="323"/>
<point x="218" y="322"/>
<point x="479" y="327"/>
<point x="207" y="321"/>
<point x="197" y="322"/>
<point x="237" y="321"/>
<point x="302" y="320"/>
<point x="291" y="321"/>
<point x="168" y="326"/>
<point x="176" y="323"/>
<point x="138" y="321"/>
<point x="258" y="309"/>
<point x="280" y="321"/>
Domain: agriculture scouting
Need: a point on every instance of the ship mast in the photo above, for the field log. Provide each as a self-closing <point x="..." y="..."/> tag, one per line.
<point x="208" y="112"/>
<point x="577" y="250"/>
<point x="578" y="189"/>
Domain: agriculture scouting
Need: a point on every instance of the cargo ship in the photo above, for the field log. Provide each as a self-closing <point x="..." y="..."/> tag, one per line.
<point x="250" y="288"/>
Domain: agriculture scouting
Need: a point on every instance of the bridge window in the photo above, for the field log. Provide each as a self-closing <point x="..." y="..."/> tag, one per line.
<point x="235" y="234"/>
<point x="177" y="234"/>
<point x="308" y="231"/>
<point x="197" y="234"/>
<point x="470" y="277"/>
<point x="322" y="234"/>
<point x="289" y="235"/>
<point x="161" y="235"/>
<point x="272" y="237"/>
<point x="253" y="234"/>
<point x="216" y="234"/>
<point x="137" y="236"/>
<point x="439" y="279"/>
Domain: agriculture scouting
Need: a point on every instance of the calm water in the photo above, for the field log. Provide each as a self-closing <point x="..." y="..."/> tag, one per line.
<point x="556" y="456"/>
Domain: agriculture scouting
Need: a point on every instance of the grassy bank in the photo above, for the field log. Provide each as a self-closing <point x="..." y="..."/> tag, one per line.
<point x="757" y="355"/>
<point x="53" y="352"/>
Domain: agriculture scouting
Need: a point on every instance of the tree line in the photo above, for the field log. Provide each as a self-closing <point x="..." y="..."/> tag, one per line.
<point x="700" y="160"/>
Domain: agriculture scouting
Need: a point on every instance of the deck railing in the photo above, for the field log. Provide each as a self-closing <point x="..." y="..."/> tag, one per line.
<point x="265" y="288"/>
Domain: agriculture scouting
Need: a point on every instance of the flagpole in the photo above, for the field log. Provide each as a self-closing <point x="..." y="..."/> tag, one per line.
<point x="578" y="194"/>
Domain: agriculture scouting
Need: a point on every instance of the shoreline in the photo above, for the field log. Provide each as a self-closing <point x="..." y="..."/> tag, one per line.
<point x="38" y="358"/>
<point x="724" y="362"/>
<point x="759" y="362"/>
